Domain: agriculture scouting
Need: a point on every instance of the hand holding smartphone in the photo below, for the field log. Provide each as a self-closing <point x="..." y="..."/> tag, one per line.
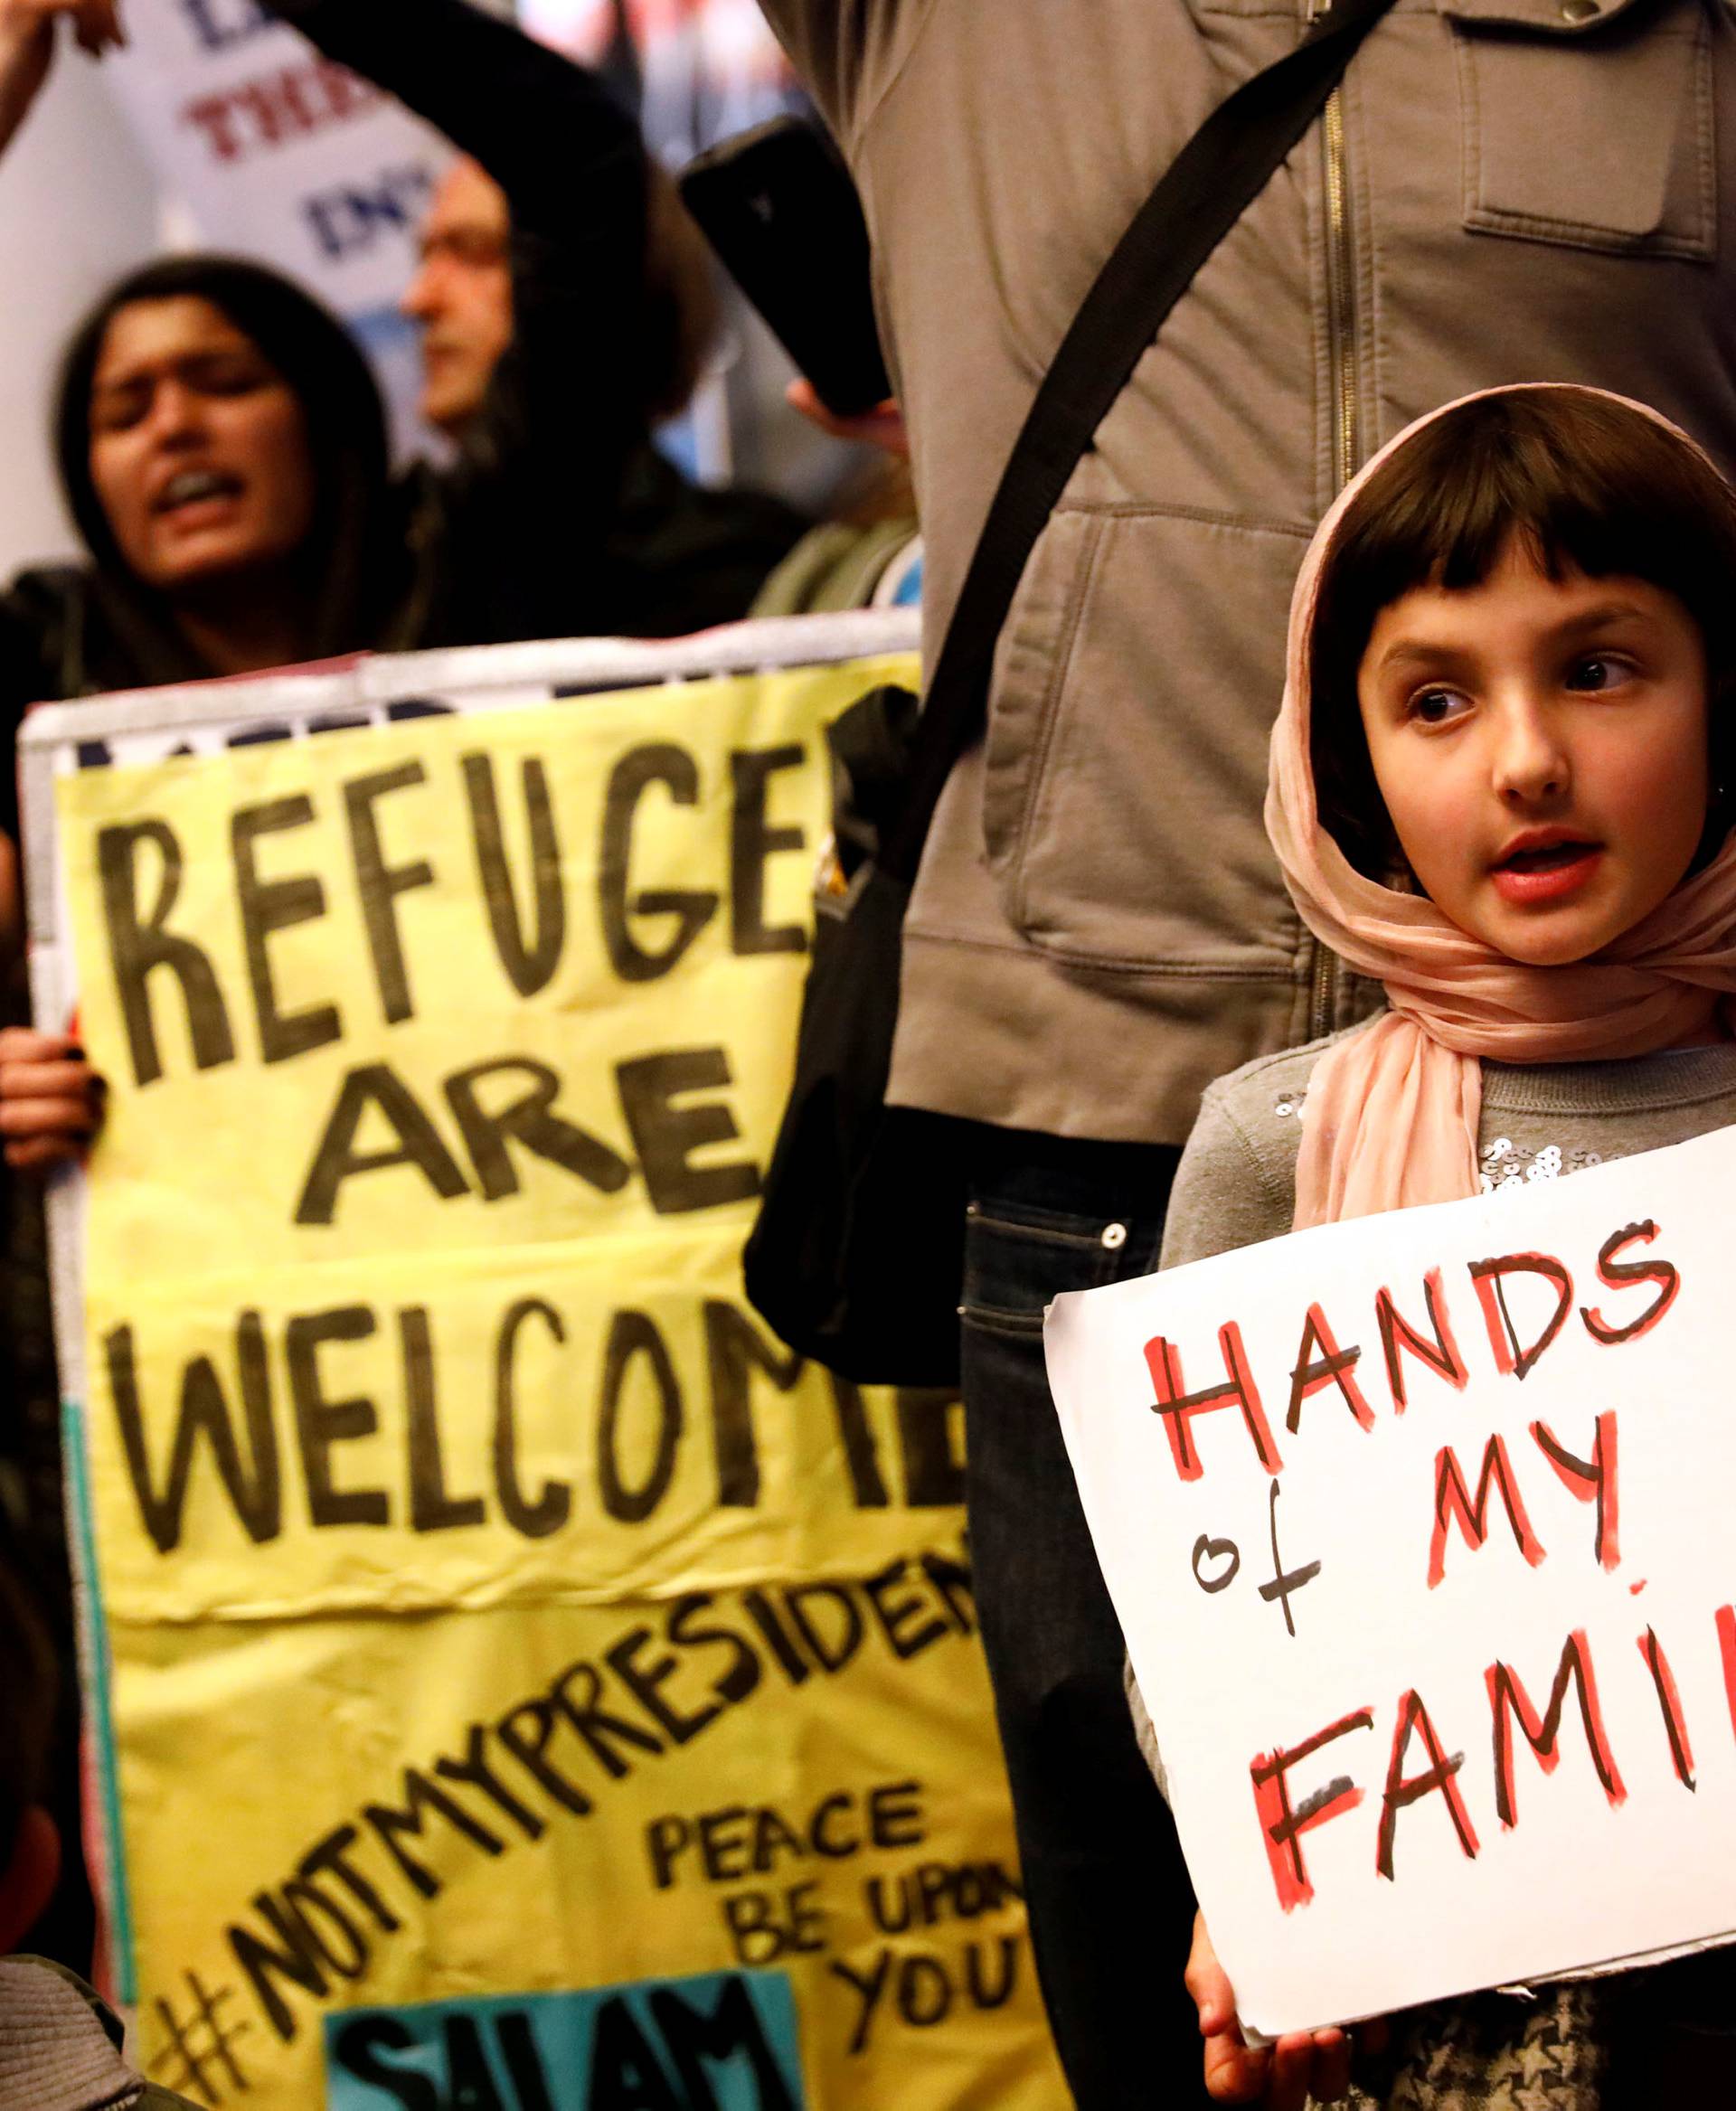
<point x="778" y="205"/>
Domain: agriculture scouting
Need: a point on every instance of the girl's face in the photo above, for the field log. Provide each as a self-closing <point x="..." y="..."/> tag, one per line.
<point x="1540" y="746"/>
<point x="198" y="446"/>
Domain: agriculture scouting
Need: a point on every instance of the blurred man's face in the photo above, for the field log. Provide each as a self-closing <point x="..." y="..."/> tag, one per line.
<point x="462" y="295"/>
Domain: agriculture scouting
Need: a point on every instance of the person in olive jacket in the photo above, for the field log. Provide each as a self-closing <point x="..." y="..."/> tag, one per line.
<point x="1499" y="190"/>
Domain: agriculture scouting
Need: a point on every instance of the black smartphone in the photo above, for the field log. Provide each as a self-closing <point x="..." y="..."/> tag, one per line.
<point x="778" y="205"/>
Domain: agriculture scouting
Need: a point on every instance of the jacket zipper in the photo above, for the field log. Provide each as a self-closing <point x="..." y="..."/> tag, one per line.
<point x="1341" y="340"/>
<point x="1341" y="274"/>
<point x="1341" y="317"/>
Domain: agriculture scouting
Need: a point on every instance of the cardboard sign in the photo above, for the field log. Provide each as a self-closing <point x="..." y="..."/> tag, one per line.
<point x="518" y="1679"/>
<point x="1419" y="1528"/>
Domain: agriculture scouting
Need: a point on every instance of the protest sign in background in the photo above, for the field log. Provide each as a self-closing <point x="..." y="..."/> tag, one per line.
<point x="523" y="1681"/>
<point x="262" y="145"/>
<point x="1418" y="1527"/>
<point x="702" y="69"/>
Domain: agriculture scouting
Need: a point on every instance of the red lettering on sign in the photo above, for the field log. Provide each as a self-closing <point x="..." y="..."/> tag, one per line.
<point x="1725" y="1619"/>
<point x="1320" y="1363"/>
<point x="1670" y="1701"/>
<point x="1454" y="1504"/>
<point x="1281" y="1827"/>
<point x="278" y="108"/>
<point x="1593" y="1480"/>
<point x="1399" y="1338"/>
<point x="1615" y="1274"/>
<point x="1508" y="1699"/>
<point x="1511" y="1359"/>
<point x="1435" y="1779"/>
<point x="1178" y="1407"/>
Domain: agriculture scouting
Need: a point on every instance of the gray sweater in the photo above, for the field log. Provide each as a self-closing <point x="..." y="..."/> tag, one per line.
<point x="1236" y="1184"/>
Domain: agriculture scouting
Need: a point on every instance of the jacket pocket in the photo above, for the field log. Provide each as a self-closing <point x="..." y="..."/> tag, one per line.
<point x="1138" y="676"/>
<point x="1588" y="123"/>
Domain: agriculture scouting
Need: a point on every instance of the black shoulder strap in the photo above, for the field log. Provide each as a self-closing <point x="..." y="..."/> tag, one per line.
<point x="1223" y="167"/>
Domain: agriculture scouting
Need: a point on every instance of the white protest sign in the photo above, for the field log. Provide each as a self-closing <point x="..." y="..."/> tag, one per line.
<point x="1419" y="1529"/>
<point x="272" y="149"/>
<point x="264" y="146"/>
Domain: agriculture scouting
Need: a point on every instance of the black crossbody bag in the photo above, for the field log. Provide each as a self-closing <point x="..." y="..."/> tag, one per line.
<point x="856" y="1257"/>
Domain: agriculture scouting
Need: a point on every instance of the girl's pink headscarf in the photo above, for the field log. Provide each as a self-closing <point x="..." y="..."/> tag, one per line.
<point x="1391" y="1113"/>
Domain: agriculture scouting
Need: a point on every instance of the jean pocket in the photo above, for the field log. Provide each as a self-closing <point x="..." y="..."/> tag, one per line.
<point x="1016" y="1259"/>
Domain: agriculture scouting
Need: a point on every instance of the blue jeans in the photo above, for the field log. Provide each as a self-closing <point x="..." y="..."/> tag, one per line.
<point x="1111" y="1907"/>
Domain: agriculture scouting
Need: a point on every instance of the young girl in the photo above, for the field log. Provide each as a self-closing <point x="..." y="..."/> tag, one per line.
<point x="1498" y="791"/>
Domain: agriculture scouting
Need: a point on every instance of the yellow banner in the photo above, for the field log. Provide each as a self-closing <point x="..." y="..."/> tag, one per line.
<point x="531" y="1686"/>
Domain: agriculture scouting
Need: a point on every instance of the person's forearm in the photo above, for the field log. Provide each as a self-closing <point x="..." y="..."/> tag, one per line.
<point x="28" y="31"/>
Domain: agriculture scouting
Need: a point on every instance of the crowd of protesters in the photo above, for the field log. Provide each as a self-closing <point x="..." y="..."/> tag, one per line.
<point x="221" y="446"/>
<point x="1500" y="194"/>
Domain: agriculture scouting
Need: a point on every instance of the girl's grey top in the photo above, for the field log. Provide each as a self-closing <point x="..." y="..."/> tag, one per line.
<point x="1236" y="1184"/>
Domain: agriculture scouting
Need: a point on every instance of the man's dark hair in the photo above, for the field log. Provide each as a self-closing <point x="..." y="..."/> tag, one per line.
<point x="1589" y="483"/>
<point x="347" y="555"/>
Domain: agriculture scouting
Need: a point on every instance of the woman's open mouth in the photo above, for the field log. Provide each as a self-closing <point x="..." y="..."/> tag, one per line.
<point x="197" y="494"/>
<point x="1536" y="873"/>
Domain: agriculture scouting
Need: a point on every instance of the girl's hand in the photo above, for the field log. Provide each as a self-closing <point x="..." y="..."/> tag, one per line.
<point x="27" y="47"/>
<point x="50" y="1100"/>
<point x="1283" y="2076"/>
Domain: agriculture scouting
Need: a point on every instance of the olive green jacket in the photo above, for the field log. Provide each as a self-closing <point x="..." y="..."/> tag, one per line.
<point x="1501" y="191"/>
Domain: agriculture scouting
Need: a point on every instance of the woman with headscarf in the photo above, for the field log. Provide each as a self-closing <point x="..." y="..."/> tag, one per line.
<point x="1500" y="792"/>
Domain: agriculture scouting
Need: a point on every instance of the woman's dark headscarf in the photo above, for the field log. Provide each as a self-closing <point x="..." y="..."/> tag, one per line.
<point x="353" y="553"/>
